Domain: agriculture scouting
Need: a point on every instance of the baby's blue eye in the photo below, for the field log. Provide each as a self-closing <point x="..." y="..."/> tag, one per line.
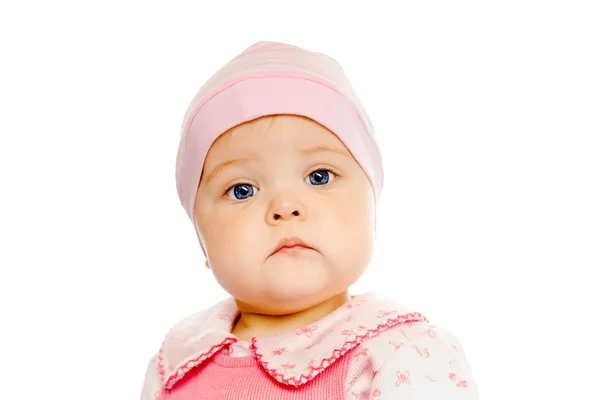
<point x="242" y="191"/>
<point x="319" y="177"/>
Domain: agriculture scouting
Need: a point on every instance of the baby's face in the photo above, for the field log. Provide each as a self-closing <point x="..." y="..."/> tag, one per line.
<point x="283" y="177"/>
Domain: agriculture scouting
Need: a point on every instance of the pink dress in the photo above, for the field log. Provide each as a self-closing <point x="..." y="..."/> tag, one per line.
<point x="370" y="348"/>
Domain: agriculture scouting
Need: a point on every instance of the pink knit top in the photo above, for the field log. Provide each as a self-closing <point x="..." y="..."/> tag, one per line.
<point x="370" y="348"/>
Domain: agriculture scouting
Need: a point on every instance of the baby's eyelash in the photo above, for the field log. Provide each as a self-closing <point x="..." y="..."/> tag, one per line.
<point x="324" y="169"/>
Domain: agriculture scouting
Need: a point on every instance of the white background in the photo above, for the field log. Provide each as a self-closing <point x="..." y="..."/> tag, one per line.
<point x="488" y="115"/>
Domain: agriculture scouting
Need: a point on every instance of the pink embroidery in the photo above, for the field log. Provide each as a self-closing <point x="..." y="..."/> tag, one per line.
<point x="405" y="335"/>
<point x="355" y="331"/>
<point x="311" y="365"/>
<point x="362" y="352"/>
<point x="454" y="347"/>
<point x="287" y="366"/>
<point x="396" y="345"/>
<point x="313" y="371"/>
<point x="312" y="345"/>
<point x="189" y="335"/>
<point x="278" y="352"/>
<point x="423" y="353"/>
<point x="348" y="306"/>
<point x="161" y="368"/>
<point x="430" y="378"/>
<point x="431" y="333"/>
<point x="376" y="393"/>
<point x="459" y="383"/>
<point x="403" y="378"/>
<point x="307" y="330"/>
<point x="383" y="313"/>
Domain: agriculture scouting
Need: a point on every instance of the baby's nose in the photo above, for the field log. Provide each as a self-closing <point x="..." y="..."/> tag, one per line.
<point x="284" y="207"/>
<point x="294" y="213"/>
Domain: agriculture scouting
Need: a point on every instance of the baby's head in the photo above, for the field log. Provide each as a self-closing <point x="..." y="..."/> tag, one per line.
<point x="277" y="146"/>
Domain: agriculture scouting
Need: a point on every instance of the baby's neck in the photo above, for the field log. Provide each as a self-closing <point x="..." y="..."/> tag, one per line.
<point x="249" y="325"/>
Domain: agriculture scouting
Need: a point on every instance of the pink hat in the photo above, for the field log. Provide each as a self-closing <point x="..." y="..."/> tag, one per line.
<point x="274" y="78"/>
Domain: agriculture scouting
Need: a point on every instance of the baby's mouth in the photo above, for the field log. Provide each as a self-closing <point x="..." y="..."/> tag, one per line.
<point x="293" y="249"/>
<point x="291" y="245"/>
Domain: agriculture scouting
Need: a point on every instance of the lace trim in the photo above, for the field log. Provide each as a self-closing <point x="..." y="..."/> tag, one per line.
<point x="183" y="369"/>
<point x="337" y="353"/>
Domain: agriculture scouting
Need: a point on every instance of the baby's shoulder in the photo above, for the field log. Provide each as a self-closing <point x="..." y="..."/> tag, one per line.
<point x="422" y="338"/>
<point x="411" y="359"/>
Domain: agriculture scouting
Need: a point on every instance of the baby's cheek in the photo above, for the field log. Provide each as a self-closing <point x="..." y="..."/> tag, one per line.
<point x="354" y="247"/>
<point x="233" y="280"/>
<point x="228" y="239"/>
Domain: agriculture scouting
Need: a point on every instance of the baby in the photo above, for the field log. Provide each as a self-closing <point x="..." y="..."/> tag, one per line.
<point x="280" y="174"/>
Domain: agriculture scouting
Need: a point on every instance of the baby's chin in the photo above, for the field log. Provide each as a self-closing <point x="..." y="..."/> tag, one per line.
<point x="302" y="273"/>
<point x="295" y="291"/>
<point x="289" y="302"/>
<point x="288" y="290"/>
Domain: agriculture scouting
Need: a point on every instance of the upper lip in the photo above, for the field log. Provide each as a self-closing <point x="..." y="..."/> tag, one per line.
<point x="290" y="242"/>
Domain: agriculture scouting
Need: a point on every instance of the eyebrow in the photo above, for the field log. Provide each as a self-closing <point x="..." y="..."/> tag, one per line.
<point x="320" y="149"/>
<point x="308" y="151"/>
<point x="222" y="165"/>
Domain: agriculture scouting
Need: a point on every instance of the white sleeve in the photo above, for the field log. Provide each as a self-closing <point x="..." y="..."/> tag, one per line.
<point x="431" y="366"/>
<point x="152" y="386"/>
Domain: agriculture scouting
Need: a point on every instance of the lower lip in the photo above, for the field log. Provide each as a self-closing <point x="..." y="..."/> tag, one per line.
<point x="293" y="249"/>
